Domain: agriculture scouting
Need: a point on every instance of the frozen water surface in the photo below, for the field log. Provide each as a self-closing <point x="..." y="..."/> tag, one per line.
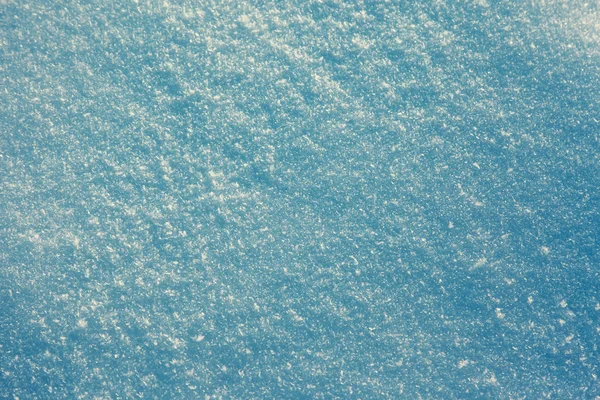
<point x="299" y="199"/>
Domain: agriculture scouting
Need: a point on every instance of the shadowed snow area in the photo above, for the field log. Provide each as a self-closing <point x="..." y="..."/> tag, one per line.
<point x="299" y="199"/>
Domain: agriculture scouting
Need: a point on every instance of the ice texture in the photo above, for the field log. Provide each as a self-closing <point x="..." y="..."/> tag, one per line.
<point x="299" y="199"/>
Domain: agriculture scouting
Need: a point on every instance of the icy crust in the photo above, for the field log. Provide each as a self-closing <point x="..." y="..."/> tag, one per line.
<point x="299" y="199"/>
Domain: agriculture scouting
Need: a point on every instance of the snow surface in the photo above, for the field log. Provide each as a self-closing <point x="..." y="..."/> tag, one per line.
<point x="299" y="199"/>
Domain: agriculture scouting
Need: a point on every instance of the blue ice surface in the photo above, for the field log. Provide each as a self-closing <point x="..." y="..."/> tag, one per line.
<point x="299" y="199"/>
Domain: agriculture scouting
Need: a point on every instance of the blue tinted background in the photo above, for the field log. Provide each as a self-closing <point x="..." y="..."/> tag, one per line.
<point x="299" y="199"/>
